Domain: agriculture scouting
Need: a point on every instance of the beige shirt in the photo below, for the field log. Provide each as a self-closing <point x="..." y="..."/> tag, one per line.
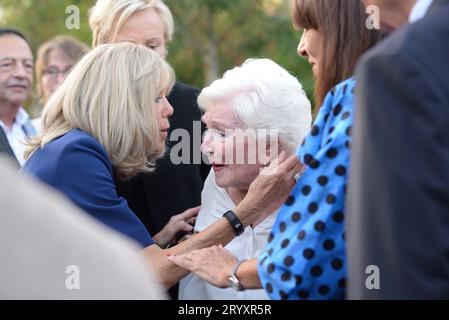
<point x="51" y="250"/>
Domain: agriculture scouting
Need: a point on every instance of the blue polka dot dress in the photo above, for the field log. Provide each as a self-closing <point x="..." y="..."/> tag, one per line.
<point x="305" y="254"/>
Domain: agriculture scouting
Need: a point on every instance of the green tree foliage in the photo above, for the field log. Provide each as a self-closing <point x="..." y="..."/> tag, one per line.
<point x="214" y="35"/>
<point x="40" y="20"/>
<point x="211" y="35"/>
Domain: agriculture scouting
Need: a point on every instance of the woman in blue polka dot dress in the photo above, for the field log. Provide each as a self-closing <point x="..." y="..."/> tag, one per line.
<point x="305" y="254"/>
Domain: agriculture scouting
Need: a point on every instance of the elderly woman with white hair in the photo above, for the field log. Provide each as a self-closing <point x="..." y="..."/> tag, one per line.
<point x="254" y="112"/>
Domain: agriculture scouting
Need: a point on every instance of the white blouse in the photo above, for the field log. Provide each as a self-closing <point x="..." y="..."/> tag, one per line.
<point x="214" y="202"/>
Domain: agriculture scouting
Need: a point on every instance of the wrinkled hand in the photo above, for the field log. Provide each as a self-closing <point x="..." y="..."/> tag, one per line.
<point x="270" y="189"/>
<point x="212" y="264"/>
<point x="176" y="223"/>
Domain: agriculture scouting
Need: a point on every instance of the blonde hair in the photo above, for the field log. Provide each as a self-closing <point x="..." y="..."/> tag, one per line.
<point x="107" y="17"/>
<point x="70" y="48"/>
<point x="111" y="95"/>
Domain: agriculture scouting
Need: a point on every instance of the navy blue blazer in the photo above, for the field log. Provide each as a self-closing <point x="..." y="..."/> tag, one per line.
<point x="77" y="165"/>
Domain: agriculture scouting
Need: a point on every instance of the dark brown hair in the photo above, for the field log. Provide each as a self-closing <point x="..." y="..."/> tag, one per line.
<point x="345" y="38"/>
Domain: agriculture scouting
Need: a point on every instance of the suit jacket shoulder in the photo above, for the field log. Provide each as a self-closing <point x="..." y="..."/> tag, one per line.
<point x="183" y="99"/>
<point x="397" y="197"/>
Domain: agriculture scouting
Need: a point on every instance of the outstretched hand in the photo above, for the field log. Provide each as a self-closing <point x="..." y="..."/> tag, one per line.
<point x="212" y="264"/>
<point x="182" y="222"/>
<point x="270" y="189"/>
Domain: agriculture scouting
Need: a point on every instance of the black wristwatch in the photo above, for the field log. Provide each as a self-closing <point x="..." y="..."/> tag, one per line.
<point x="235" y="222"/>
<point x="233" y="280"/>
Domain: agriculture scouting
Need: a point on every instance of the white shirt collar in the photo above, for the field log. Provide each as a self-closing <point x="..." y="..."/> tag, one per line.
<point x="21" y="129"/>
<point x="20" y="119"/>
<point x="419" y="10"/>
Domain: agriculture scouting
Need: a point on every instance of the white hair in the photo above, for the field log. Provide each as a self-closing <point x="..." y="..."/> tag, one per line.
<point x="264" y="96"/>
<point x="107" y="17"/>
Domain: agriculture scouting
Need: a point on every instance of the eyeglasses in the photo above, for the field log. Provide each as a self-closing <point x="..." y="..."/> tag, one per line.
<point x="54" y="72"/>
<point x="8" y="64"/>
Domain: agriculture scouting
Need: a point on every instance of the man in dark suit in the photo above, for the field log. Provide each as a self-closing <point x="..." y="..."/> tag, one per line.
<point x="398" y="203"/>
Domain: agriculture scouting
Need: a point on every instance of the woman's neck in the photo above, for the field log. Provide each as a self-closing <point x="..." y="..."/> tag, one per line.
<point x="236" y="194"/>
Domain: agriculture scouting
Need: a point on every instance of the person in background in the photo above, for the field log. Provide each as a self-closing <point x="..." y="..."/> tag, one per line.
<point x="16" y="78"/>
<point x="100" y="125"/>
<point x="398" y="203"/>
<point x="305" y="257"/>
<point x="150" y="23"/>
<point x="157" y="198"/>
<point x="55" y="59"/>
<point x="256" y="106"/>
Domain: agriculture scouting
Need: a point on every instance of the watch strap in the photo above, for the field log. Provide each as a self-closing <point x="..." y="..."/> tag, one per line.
<point x="235" y="222"/>
<point x="233" y="275"/>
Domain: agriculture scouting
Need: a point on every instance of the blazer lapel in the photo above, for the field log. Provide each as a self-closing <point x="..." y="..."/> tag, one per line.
<point x="4" y="145"/>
